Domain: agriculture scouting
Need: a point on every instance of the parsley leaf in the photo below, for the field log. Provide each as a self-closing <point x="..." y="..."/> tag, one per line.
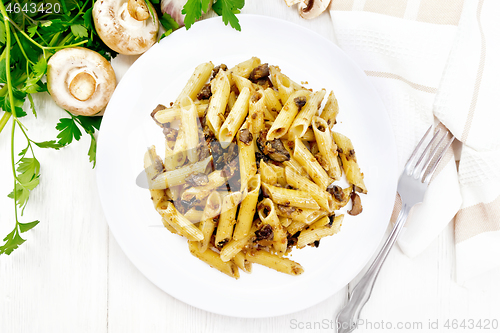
<point x="3" y="71"/>
<point x="2" y="34"/>
<point x="23" y="227"/>
<point x="68" y="130"/>
<point x="227" y="9"/>
<point x="29" y="169"/>
<point x="92" y="150"/>
<point x="12" y="241"/>
<point x="34" y="37"/>
<point x="79" y="31"/>
<point x="49" y="144"/>
<point x="89" y="123"/>
<point x="169" y="24"/>
<point x="193" y="9"/>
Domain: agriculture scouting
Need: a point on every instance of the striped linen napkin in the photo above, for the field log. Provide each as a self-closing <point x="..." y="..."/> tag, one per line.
<point x="438" y="62"/>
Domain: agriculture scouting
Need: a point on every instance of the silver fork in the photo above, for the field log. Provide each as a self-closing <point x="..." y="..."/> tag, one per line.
<point x="411" y="188"/>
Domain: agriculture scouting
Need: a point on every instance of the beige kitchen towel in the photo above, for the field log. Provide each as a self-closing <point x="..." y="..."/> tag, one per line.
<point x="437" y="62"/>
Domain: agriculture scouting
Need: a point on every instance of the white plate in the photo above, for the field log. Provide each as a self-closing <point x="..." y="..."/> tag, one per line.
<point x="127" y="130"/>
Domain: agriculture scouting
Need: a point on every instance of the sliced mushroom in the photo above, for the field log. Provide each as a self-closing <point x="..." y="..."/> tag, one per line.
<point x="264" y="233"/>
<point x="259" y="72"/>
<point x="274" y="149"/>
<point x="197" y="179"/>
<point x="126" y="27"/>
<point x="337" y="192"/>
<point x="356" y="204"/>
<point x="245" y="136"/>
<point x="80" y="80"/>
<point x="309" y="9"/>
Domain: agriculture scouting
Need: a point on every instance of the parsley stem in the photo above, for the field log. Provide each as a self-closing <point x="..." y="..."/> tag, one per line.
<point x="7" y="59"/>
<point x="21" y="47"/>
<point x="14" y="169"/>
<point x="54" y="39"/>
<point x="3" y="121"/>
<point x="65" y="39"/>
<point x="67" y="46"/>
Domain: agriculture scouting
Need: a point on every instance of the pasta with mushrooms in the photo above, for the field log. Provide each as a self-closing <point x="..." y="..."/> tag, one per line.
<point x="250" y="157"/>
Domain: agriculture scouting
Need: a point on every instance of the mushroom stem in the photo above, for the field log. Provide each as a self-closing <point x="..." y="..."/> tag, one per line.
<point x="138" y="9"/>
<point x="82" y="87"/>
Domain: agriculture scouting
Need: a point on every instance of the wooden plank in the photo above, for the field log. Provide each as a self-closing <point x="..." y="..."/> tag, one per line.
<point x="57" y="280"/>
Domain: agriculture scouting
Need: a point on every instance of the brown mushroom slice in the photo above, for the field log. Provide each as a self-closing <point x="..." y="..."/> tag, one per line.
<point x="124" y="26"/>
<point x="356" y="205"/>
<point x="80" y="80"/>
<point x="309" y="9"/>
<point x="273" y="149"/>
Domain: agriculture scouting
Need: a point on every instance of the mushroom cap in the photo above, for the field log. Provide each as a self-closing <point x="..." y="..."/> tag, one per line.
<point x="120" y="31"/>
<point x="309" y="9"/>
<point x="78" y="62"/>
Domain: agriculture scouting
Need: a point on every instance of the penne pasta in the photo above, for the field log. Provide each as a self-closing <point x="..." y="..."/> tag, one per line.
<point x="194" y="215"/>
<point x="272" y="99"/>
<point x="242" y="83"/>
<point x="311" y="165"/>
<point x="327" y="147"/>
<point x="248" y="208"/>
<point x="215" y="179"/>
<point x="256" y="109"/>
<point x="190" y="125"/>
<point x="234" y="246"/>
<point x="241" y="261"/>
<point x="183" y="226"/>
<point x="330" y="110"/>
<point x="244" y="68"/>
<point x="235" y="119"/>
<point x="307" y="216"/>
<point x="196" y="82"/>
<point x="213" y="259"/>
<point x="283" y="83"/>
<point x="227" y="219"/>
<point x="263" y="111"/>
<point x="267" y="173"/>
<point x="323" y="198"/>
<point x="207" y="226"/>
<point x="175" y="177"/>
<point x="267" y="215"/>
<point x="275" y="262"/>
<point x="218" y="102"/>
<point x="246" y="155"/>
<point x="304" y="118"/>
<point x="349" y="162"/>
<point x="280" y="174"/>
<point x="286" y="116"/>
<point x="287" y="197"/>
<point x="169" y="115"/>
<point x="319" y="230"/>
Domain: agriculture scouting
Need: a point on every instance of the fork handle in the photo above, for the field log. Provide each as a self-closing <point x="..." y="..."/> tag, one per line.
<point x="348" y="317"/>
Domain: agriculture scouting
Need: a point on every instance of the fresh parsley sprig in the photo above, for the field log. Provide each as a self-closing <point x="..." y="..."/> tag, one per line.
<point x="193" y="9"/>
<point x="27" y="40"/>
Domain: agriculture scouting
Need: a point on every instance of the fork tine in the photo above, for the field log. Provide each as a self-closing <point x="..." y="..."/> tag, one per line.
<point x="440" y="157"/>
<point x="410" y="160"/>
<point x="424" y="153"/>
<point x="431" y="156"/>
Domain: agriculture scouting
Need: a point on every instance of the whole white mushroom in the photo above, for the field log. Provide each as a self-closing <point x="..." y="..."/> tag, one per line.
<point x="126" y="26"/>
<point x="80" y="80"/>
